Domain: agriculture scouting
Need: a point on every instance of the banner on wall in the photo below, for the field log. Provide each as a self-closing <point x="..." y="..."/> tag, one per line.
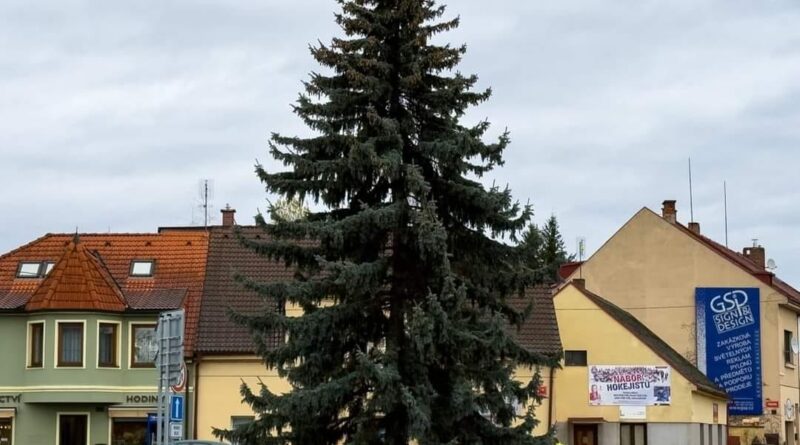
<point x="729" y="344"/>
<point x="629" y="385"/>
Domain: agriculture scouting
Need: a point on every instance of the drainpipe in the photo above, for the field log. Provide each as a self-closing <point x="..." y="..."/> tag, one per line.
<point x="196" y="381"/>
<point x="550" y="405"/>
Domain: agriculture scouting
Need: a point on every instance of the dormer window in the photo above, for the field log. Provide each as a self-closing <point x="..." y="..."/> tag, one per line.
<point x="34" y="269"/>
<point x="142" y="268"/>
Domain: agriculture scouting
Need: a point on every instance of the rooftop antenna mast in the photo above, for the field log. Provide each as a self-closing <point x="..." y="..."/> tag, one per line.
<point x="725" y="200"/>
<point x="581" y="253"/>
<point x="206" y="189"/>
<point x="691" y="194"/>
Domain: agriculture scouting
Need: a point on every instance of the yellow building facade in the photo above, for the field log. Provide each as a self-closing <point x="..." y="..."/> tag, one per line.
<point x="224" y="352"/>
<point x="608" y="338"/>
<point x="652" y="268"/>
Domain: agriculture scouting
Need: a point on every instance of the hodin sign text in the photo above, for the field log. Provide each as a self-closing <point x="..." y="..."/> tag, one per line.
<point x="142" y="398"/>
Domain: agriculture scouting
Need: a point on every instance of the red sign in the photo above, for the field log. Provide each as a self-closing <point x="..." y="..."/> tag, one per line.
<point x="773" y="404"/>
<point x="181" y="386"/>
<point x="541" y="391"/>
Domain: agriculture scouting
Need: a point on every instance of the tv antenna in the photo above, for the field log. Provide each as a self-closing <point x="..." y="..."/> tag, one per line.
<point x="691" y="195"/>
<point x="205" y="191"/>
<point x="725" y="199"/>
<point x="581" y="250"/>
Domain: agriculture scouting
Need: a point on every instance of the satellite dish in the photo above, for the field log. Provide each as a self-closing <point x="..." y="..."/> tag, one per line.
<point x="771" y="264"/>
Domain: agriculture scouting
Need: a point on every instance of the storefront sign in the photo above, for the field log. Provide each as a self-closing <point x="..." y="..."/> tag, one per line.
<point x="10" y="398"/>
<point x="629" y="385"/>
<point x="729" y="344"/>
<point x="773" y="404"/>
<point x="149" y="399"/>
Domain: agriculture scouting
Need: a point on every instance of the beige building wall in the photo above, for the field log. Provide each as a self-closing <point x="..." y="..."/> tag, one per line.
<point x="584" y="326"/>
<point x="651" y="269"/>
<point x="218" y="396"/>
<point x="543" y="409"/>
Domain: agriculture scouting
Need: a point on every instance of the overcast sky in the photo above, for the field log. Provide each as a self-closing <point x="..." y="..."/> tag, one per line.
<point x="111" y="112"/>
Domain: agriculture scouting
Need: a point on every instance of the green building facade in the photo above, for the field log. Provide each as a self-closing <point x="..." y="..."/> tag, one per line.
<point x="77" y="334"/>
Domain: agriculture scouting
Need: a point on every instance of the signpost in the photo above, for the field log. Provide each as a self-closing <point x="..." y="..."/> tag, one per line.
<point x="171" y="373"/>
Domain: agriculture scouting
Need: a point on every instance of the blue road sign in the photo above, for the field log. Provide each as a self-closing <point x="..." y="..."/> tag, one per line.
<point x="176" y="408"/>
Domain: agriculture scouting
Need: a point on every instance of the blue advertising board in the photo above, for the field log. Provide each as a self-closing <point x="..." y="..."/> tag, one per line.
<point x="729" y="344"/>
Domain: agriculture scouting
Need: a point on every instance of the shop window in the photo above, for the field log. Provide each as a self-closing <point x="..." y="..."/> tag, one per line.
<point x="788" y="354"/>
<point x="144" y="346"/>
<point x="70" y="344"/>
<point x="107" y="345"/>
<point x="575" y="358"/>
<point x="6" y="431"/>
<point x="36" y="345"/>
<point x="129" y="432"/>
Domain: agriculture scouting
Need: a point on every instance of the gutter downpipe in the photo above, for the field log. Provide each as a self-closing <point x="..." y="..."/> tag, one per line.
<point x="196" y="381"/>
<point x="550" y="406"/>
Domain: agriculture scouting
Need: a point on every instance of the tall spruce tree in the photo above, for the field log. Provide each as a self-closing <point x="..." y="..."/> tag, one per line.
<point x="553" y="253"/>
<point x="544" y="251"/>
<point x="403" y="282"/>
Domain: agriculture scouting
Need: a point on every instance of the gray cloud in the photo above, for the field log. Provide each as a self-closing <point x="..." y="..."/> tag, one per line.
<point x="110" y="112"/>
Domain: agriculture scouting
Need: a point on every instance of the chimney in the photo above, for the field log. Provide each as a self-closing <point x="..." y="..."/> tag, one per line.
<point x="580" y="283"/>
<point x="227" y="216"/>
<point x="669" y="212"/>
<point x="756" y="254"/>
<point x="694" y="227"/>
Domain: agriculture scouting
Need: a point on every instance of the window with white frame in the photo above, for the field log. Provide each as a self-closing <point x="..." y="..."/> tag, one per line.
<point x="70" y="344"/>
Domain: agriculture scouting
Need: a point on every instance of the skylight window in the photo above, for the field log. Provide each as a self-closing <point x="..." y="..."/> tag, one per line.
<point x="30" y="269"/>
<point x="142" y="268"/>
<point x="48" y="266"/>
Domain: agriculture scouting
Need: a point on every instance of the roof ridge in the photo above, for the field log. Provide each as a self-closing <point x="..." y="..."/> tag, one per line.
<point x="675" y="359"/>
<point x="744" y="263"/>
<point x="102" y="268"/>
<point x="25" y="246"/>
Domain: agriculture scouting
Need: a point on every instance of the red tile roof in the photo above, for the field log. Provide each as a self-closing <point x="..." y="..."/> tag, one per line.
<point x="221" y="293"/>
<point x="539" y="333"/>
<point x="745" y="263"/>
<point x="78" y="281"/>
<point x="179" y="270"/>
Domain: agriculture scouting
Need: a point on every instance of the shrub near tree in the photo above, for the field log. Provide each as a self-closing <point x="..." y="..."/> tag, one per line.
<point x="405" y="335"/>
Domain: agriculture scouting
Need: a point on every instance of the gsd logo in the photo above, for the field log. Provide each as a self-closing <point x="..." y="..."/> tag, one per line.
<point x="731" y="311"/>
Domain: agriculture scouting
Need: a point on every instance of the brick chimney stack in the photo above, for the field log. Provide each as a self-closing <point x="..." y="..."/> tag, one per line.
<point x="669" y="212"/>
<point x="694" y="227"/>
<point x="227" y="216"/>
<point x="757" y="255"/>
